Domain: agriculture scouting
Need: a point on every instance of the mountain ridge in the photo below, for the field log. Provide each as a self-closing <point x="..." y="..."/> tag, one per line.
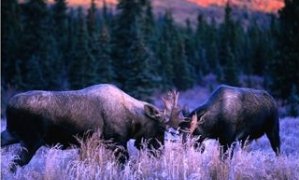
<point x="211" y="9"/>
<point x="257" y="5"/>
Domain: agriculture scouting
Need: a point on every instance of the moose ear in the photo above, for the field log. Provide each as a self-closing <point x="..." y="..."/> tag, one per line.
<point x="151" y="111"/>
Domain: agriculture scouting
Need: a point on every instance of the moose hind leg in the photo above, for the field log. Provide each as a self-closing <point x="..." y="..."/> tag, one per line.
<point x="273" y="136"/>
<point x="227" y="149"/>
<point x="26" y="154"/>
<point x="245" y="141"/>
<point x="7" y="138"/>
<point x="199" y="145"/>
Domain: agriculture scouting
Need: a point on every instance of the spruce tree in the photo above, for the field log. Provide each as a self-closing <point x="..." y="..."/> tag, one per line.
<point x="148" y="25"/>
<point x="245" y="52"/>
<point x="149" y="38"/>
<point x="72" y="28"/>
<point x="284" y="67"/>
<point x="130" y="61"/>
<point x="202" y="36"/>
<point x="105" y="71"/>
<point x="189" y="48"/>
<point x="124" y="30"/>
<point x="60" y="46"/>
<point x="229" y="27"/>
<point x="230" y="71"/>
<point x="206" y="36"/>
<point x="100" y="43"/>
<point x="10" y="43"/>
<point x="59" y="14"/>
<point x="92" y="24"/>
<point x="272" y="34"/>
<point x="227" y="48"/>
<point x="293" y="100"/>
<point x="36" y="45"/>
<point x="183" y="79"/>
<point x="258" y="49"/>
<point x="107" y="14"/>
<point x="164" y="50"/>
<point x="91" y="20"/>
<point x="142" y="79"/>
<point x="211" y="46"/>
<point x="227" y="35"/>
<point x="82" y="71"/>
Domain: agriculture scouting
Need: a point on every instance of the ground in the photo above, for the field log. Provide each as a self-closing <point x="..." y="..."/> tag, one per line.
<point x="257" y="161"/>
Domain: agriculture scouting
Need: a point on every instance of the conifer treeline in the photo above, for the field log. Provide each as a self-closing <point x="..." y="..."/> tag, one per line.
<point x="59" y="47"/>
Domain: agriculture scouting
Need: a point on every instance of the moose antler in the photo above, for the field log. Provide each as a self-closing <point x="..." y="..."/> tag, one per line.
<point x="172" y="110"/>
<point x="193" y="124"/>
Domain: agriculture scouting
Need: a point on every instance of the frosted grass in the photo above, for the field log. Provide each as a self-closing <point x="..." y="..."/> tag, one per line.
<point x="94" y="161"/>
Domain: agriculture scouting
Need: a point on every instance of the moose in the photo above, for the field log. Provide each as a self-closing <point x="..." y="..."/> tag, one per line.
<point x="234" y="114"/>
<point x="36" y="118"/>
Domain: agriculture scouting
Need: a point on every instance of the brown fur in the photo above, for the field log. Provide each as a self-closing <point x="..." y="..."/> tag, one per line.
<point x="36" y="118"/>
<point x="232" y="114"/>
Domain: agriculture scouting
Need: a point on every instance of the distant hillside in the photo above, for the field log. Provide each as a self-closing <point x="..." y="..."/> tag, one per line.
<point x="183" y="9"/>
<point x="256" y="5"/>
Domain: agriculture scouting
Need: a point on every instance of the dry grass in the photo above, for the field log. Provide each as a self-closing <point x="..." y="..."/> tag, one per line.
<point x="94" y="161"/>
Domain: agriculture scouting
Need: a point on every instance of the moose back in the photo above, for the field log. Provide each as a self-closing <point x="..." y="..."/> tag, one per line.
<point x="35" y="118"/>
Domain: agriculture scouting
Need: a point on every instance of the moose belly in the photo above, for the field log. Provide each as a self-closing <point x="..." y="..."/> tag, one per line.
<point x="62" y="135"/>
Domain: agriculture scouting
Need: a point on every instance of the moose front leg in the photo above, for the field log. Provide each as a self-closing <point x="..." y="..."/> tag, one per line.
<point x="119" y="149"/>
<point x="120" y="153"/>
<point x="198" y="145"/>
<point x="154" y="145"/>
<point x="227" y="148"/>
<point x="25" y="155"/>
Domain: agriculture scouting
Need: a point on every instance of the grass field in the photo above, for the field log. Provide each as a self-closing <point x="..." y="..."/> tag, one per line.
<point x="93" y="161"/>
<point x="257" y="161"/>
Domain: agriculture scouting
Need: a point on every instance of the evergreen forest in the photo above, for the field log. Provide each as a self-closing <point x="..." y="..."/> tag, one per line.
<point x="58" y="47"/>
